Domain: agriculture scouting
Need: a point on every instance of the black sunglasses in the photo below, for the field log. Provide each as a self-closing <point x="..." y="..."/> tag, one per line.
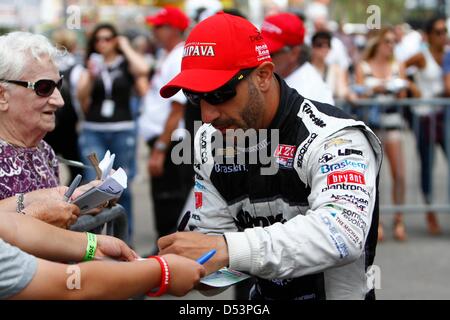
<point x="221" y="95"/>
<point x="43" y="88"/>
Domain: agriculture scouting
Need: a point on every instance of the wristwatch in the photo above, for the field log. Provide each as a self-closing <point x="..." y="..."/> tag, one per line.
<point x="19" y="201"/>
<point x="161" y="146"/>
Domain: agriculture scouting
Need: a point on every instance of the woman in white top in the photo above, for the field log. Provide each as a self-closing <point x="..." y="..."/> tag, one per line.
<point x="430" y="119"/>
<point x="380" y="74"/>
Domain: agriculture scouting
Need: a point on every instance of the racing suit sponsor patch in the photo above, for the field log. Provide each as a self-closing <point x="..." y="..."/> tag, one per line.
<point x="336" y="142"/>
<point x="314" y="118"/>
<point x="343" y="186"/>
<point x="348" y="152"/>
<point x="198" y="199"/>
<point x="301" y="153"/>
<point x="326" y="157"/>
<point x="284" y="155"/>
<point x="343" y="164"/>
<point x="336" y="237"/>
<point x="348" y="176"/>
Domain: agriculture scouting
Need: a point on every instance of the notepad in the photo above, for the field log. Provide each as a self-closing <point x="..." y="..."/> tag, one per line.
<point x="112" y="186"/>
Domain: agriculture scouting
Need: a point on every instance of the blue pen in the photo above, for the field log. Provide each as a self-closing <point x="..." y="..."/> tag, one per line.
<point x="206" y="256"/>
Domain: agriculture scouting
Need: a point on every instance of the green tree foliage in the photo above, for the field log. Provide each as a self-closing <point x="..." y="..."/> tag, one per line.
<point x="355" y="11"/>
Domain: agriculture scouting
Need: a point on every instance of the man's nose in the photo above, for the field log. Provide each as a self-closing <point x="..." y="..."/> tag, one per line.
<point x="209" y="112"/>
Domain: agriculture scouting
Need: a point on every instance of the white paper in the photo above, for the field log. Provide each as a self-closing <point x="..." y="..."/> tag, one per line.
<point x="106" y="164"/>
<point x="224" y="277"/>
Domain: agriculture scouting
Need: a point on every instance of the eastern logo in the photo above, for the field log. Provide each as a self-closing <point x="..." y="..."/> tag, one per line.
<point x="284" y="155"/>
<point x="326" y="168"/>
<point x="348" y="176"/>
<point x="304" y="149"/>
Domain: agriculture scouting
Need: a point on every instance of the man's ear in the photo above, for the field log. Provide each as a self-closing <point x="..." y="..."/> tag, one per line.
<point x="3" y="98"/>
<point x="264" y="75"/>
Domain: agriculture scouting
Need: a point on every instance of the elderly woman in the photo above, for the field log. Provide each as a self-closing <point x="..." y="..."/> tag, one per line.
<point x="29" y="97"/>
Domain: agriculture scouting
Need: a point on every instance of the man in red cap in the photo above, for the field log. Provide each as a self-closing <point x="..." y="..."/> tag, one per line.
<point x="161" y="117"/>
<point x="284" y="34"/>
<point x="307" y="231"/>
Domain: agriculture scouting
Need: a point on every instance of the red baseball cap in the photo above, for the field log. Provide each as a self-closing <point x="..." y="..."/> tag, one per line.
<point x="169" y="16"/>
<point x="282" y="29"/>
<point x="215" y="50"/>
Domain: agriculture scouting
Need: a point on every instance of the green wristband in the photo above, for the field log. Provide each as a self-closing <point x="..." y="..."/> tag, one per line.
<point x="91" y="246"/>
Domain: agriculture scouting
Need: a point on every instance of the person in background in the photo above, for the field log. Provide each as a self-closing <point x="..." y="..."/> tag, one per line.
<point x="428" y="121"/>
<point x="105" y="91"/>
<point x="379" y="72"/>
<point x="161" y="117"/>
<point x="64" y="138"/>
<point x="284" y="36"/>
<point x="332" y="74"/>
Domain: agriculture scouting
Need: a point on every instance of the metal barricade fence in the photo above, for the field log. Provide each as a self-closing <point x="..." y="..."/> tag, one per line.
<point x="114" y="218"/>
<point x="428" y="120"/>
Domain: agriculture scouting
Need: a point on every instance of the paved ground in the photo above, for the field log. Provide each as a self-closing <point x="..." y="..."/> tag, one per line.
<point x="416" y="269"/>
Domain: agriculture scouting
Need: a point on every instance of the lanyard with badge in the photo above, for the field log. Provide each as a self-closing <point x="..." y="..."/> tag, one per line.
<point x="108" y="105"/>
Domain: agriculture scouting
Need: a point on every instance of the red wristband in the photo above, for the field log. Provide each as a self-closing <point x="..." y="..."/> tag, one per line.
<point x="165" y="277"/>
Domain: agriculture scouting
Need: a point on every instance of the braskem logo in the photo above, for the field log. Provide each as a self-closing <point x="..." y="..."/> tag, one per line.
<point x="341" y="165"/>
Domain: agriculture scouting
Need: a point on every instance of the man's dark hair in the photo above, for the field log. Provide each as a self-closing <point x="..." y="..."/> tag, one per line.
<point x="429" y="24"/>
<point x="322" y="35"/>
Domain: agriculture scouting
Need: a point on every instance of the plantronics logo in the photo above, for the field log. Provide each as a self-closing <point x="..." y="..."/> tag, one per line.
<point x="341" y="165"/>
<point x="343" y="186"/>
<point x="315" y="119"/>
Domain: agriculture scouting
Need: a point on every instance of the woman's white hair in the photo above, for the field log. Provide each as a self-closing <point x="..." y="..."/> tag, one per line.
<point x="19" y="48"/>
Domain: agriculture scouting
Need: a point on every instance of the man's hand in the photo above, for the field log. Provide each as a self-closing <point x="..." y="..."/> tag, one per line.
<point x="194" y="245"/>
<point x="56" y="212"/>
<point x="114" y="248"/>
<point x="185" y="274"/>
<point x="156" y="163"/>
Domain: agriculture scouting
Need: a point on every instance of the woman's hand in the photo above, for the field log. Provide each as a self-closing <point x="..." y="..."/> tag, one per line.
<point x="53" y="211"/>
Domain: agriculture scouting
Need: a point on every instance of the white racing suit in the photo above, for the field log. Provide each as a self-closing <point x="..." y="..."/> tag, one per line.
<point x="310" y="230"/>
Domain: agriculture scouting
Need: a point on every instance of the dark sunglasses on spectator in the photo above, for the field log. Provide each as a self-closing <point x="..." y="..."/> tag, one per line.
<point x="218" y="96"/>
<point x="106" y="39"/>
<point x="440" y="32"/>
<point x="43" y="88"/>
